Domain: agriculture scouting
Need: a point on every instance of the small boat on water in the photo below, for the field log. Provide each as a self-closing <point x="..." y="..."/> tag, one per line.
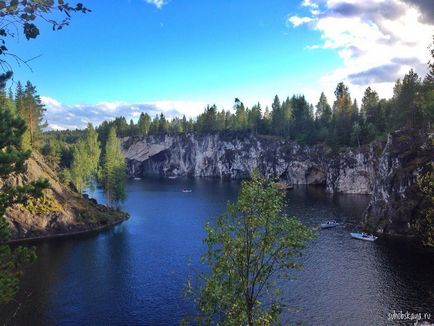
<point x="137" y="178"/>
<point x="172" y="177"/>
<point x="363" y="236"/>
<point x="186" y="190"/>
<point x="329" y="224"/>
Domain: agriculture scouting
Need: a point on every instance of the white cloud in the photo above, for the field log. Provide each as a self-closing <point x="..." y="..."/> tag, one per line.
<point x="297" y="21"/>
<point x="157" y="3"/>
<point x="377" y="40"/>
<point x="61" y="116"/>
<point x="309" y="3"/>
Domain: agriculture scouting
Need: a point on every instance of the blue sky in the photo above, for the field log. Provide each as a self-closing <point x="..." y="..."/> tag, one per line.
<point x="132" y="55"/>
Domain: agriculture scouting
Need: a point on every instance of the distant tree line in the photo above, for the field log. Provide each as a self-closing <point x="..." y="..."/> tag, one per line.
<point x="340" y="123"/>
<point x="78" y="156"/>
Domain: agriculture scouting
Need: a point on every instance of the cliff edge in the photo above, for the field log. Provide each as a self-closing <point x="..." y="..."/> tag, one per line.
<point x="61" y="211"/>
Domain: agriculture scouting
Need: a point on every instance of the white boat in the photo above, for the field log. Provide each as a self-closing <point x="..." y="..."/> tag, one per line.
<point x="363" y="236"/>
<point x="172" y="177"/>
<point x="329" y="224"/>
<point x="137" y="178"/>
<point x="186" y="190"/>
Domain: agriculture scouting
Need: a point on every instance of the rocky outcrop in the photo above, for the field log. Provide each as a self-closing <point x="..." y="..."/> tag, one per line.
<point x="396" y="201"/>
<point x="235" y="156"/>
<point x="61" y="211"/>
<point x="387" y="169"/>
<point x="226" y="156"/>
<point x="354" y="171"/>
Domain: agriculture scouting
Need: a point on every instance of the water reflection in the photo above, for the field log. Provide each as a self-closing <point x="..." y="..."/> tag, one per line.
<point x="134" y="274"/>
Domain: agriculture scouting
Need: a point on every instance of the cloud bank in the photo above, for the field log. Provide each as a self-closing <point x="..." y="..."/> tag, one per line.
<point x="60" y="116"/>
<point x="377" y="40"/>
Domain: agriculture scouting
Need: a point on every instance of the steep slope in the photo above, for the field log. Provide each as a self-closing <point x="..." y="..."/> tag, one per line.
<point x="61" y="211"/>
<point x="396" y="202"/>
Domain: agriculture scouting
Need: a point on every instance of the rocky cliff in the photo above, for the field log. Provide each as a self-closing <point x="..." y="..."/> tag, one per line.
<point x="61" y="210"/>
<point x="234" y="156"/>
<point x="384" y="169"/>
<point x="396" y="202"/>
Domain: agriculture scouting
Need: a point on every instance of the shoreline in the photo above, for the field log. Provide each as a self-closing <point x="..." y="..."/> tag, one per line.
<point x="68" y="234"/>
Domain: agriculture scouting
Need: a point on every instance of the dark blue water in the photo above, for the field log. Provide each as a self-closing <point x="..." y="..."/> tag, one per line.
<point x="134" y="274"/>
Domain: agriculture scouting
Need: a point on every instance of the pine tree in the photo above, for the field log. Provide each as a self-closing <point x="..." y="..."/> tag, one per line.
<point x="114" y="169"/>
<point x="427" y="96"/>
<point x="31" y="109"/>
<point x="287" y="115"/>
<point x="408" y="105"/>
<point x="240" y="115"/>
<point x="370" y="106"/>
<point x="323" y="110"/>
<point x="343" y="115"/>
<point x="52" y="152"/>
<point x="163" y="126"/>
<point x="277" y="119"/>
<point x="302" y="120"/>
<point x="12" y="160"/>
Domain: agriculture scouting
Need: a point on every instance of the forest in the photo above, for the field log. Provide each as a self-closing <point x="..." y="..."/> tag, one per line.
<point x="340" y="123"/>
<point x="82" y="157"/>
<point x="263" y="241"/>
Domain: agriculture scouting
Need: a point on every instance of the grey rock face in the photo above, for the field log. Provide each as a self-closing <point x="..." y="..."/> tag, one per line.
<point x="396" y="202"/>
<point x="386" y="170"/>
<point x="232" y="156"/>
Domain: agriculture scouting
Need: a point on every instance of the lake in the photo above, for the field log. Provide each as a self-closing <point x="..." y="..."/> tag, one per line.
<point x="134" y="273"/>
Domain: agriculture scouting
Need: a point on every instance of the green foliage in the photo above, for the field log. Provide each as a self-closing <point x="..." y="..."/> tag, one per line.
<point x="52" y="151"/>
<point x="425" y="224"/>
<point x="85" y="162"/>
<point x="12" y="160"/>
<point x="412" y="105"/>
<point x="42" y="205"/>
<point x="21" y="16"/>
<point x="144" y="123"/>
<point x="323" y="111"/>
<point x="407" y="102"/>
<point x="12" y="262"/>
<point x="31" y="110"/>
<point x="114" y="169"/>
<point x="251" y="249"/>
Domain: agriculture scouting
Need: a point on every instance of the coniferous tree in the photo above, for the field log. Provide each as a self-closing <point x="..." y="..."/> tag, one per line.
<point x="302" y="119"/>
<point x="371" y="114"/>
<point x="342" y="115"/>
<point x="323" y="118"/>
<point x="52" y="152"/>
<point x="287" y="115"/>
<point x="323" y="110"/>
<point x="427" y="96"/>
<point x="12" y="160"/>
<point x="277" y="118"/>
<point x="31" y="109"/>
<point x="163" y="126"/>
<point x="254" y="118"/>
<point x="240" y="115"/>
<point x="408" y="106"/>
